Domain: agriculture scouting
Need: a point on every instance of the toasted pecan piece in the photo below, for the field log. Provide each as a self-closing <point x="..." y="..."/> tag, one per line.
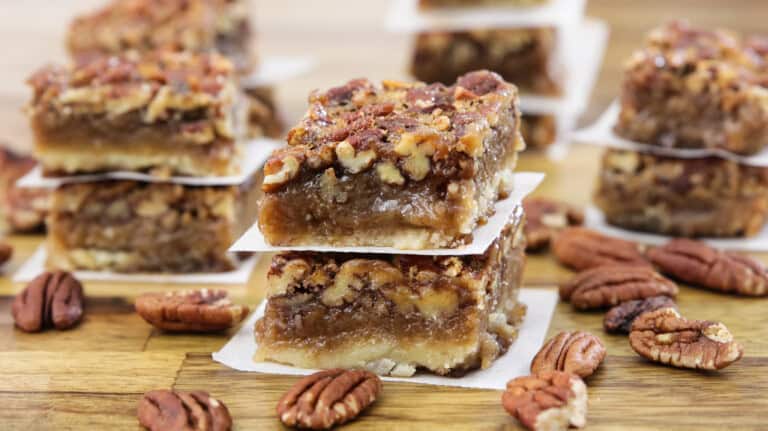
<point x="190" y="311"/>
<point x="581" y="248"/>
<point x="51" y="300"/>
<point x="544" y="218"/>
<point x="698" y="264"/>
<point x="577" y="352"/>
<point x="164" y="410"/>
<point x="551" y="400"/>
<point x="609" y="285"/>
<point x="619" y="319"/>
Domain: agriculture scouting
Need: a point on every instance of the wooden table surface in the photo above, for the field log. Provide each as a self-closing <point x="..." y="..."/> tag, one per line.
<point x="92" y="377"/>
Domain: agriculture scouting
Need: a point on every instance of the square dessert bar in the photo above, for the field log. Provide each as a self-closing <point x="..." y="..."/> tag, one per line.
<point x="129" y="226"/>
<point x="411" y="166"/>
<point x="522" y="56"/>
<point x="694" y="88"/>
<point x="21" y="209"/>
<point x="147" y="25"/>
<point x="165" y="112"/>
<point x="682" y="197"/>
<point x="263" y="116"/>
<point x="539" y="130"/>
<point x="429" y="4"/>
<point x="394" y="314"/>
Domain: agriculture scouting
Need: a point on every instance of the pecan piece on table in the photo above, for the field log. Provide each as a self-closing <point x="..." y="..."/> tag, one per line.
<point x="698" y="264"/>
<point x="552" y="400"/>
<point x="328" y="398"/>
<point x="51" y="300"/>
<point x="164" y="410"/>
<point x="6" y="251"/>
<point x="606" y="286"/>
<point x="190" y="310"/>
<point x="577" y="352"/>
<point x="544" y="218"/>
<point x="618" y="320"/>
<point x="580" y="248"/>
<point x="666" y="337"/>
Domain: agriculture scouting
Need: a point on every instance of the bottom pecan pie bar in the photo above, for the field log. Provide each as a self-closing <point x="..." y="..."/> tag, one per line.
<point x="129" y="226"/>
<point x="683" y="197"/>
<point x="394" y="314"/>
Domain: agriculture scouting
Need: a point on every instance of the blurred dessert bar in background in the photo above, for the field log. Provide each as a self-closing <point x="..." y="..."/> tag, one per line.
<point x="694" y="88"/>
<point x="539" y="130"/>
<point x="170" y="113"/>
<point x="394" y="314"/>
<point x="21" y="209"/>
<point x="406" y="165"/>
<point x="129" y="226"/>
<point x="683" y="197"/>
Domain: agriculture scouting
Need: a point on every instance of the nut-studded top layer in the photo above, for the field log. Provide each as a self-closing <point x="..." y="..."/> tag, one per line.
<point x="196" y="89"/>
<point x="189" y="25"/>
<point x="405" y="131"/>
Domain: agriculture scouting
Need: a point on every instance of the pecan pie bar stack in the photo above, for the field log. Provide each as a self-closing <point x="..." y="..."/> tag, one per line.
<point x="410" y="166"/>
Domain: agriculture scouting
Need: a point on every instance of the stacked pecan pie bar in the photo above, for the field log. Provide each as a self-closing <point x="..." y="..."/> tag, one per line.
<point x="411" y="166"/>
<point x="691" y="88"/>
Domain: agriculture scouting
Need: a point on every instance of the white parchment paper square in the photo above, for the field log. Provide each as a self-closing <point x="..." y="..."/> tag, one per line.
<point x="35" y="265"/>
<point x="239" y="351"/>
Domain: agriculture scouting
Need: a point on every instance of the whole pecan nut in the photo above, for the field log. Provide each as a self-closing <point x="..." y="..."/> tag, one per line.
<point x="618" y="320"/>
<point x="606" y="286"/>
<point x="328" y="398"/>
<point x="190" y="310"/>
<point x="580" y="248"/>
<point x="544" y="218"/>
<point x="552" y="400"/>
<point x="666" y="337"/>
<point x="6" y="251"/>
<point x="698" y="264"/>
<point x="164" y="410"/>
<point x="578" y="353"/>
<point x="51" y="300"/>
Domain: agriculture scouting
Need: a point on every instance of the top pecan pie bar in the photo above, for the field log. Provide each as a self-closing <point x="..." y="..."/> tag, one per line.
<point x="402" y="165"/>
<point x="168" y="112"/>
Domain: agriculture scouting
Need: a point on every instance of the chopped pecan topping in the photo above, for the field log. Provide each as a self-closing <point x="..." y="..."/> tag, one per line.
<point x="697" y="263"/>
<point x="609" y="285"/>
<point x="164" y="410"/>
<point x="578" y="353"/>
<point x="581" y="248"/>
<point x="51" y="300"/>
<point x="552" y="400"/>
<point x="6" y="251"/>
<point x="328" y="398"/>
<point x="544" y="218"/>
<point x="619" y="319"/>
<point x="190" y="311"/>
<point x="666" y="337"/>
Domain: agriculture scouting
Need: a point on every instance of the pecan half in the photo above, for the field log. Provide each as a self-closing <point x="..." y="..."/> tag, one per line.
<point x="328" y="398"/>
<point x="164" y="410"/>
<point x="51" y="300"/>
<point x="190" y="310"/>
<point x="666" y="337"/>
<point x="618" y="320"/>
<point x="606" y="286"/>
<point x="698" y="264"/>
<point x="580" y="248"/>
<point x="578" y="353"/>
<point x="6" y="251"/>
<point x="552" y="400"/>
<point x="544" y="218"/>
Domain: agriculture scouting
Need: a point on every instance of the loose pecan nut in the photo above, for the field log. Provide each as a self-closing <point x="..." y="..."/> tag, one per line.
<point x="618" y="320"/>
<point x="328" y="398"/>
<point x="666" y="337"/>
<point x="552" y="400"/>
<point x="51" y="300"/>
<point x="544" y="218"/>
<point x="606" y="286"/>
<point x="578" y="353"/>
<point x="696" y="263"/>
<point x="190" y="311"/>
<point x="581" y="248"/>
<point x="164" y="410"/>
<point x="6" y="251"/>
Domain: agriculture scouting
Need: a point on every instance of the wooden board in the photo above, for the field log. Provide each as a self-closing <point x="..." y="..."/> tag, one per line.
<point x="92" y="377"/>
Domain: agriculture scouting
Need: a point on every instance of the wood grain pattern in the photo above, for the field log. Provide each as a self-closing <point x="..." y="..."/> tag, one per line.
<point x="92" y="377"/>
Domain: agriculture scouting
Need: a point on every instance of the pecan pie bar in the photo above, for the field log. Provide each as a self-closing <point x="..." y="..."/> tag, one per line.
<point x="539" y="130"/>
<point x="522" y="56"/>
<point x="166" y="112"/>
<point x="394" y="314"/>
<point x="146" y="25"/>
<point x="696" y="88"/>
<point x="404" y="165"/>
<point x="263" y="116"/>
<point x="21" y="209"/>
<point x="129" y="226"/>
<point x="682" y="197"/>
